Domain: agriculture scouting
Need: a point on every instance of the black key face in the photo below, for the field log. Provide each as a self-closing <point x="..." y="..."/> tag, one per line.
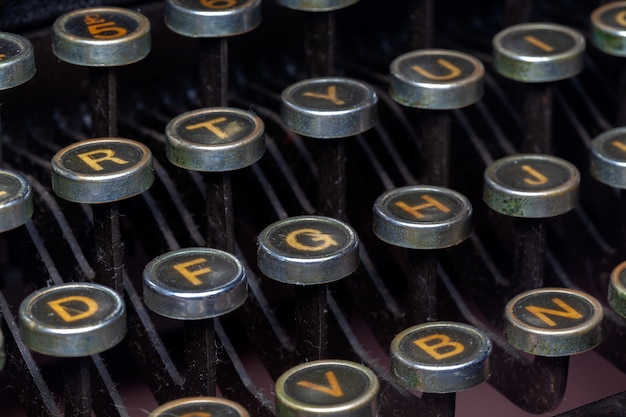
<point x="102" y="24"/>
<point x="443" y="346"/>
<point x="70" y="320"/>
<point x="608" y="158"/>
<point x="532" y="174"/>
<point x="323" y="386"/>
<point x="553" y="322"/>
<point x="200" y="407"/>
<point x="540" y="42"/>
<point x="328" y="95"/>
<point x="439" y="67"/>
<point x="194" y="270"/>
<point x="217" y="127"/>
<point x="613" y="146"/>
<point x="17" y="60"/>
<point x="102" y="157"/>
<point x="215" y="5"/>
<point x="441" y="357"/>
<point x="75" y="308"/>
<point x="553" y="310"/>
<point x="309" y="238"/>
<point x="424" y="205"/>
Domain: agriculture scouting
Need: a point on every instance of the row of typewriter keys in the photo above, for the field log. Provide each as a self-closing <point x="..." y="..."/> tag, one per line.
<point x="198" y="284"/>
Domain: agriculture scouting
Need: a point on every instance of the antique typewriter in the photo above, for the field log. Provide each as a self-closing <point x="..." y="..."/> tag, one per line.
<point x="307" y="208"/>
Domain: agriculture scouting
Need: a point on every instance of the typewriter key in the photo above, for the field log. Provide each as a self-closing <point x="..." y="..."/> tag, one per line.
<point x="531" y="188"/>
<point x="329" y="387"/>
<point x="330" y="108"/>
<point x="422" y="218"/>
<point x="212" y="18"/>
<point x="309" y="252"/>
<point x="608" y="158"/>
<point x="537" y="54"/>
<point x="441" y="357"/>
<point x="101" y="172"/>
<point x="215" y="141"/>
<point x="72" y="320"/>
<point x="196" y="285"/>
<point x="325" y="108"/>
<point x="617" y="289"/>
<point x="435" y="80"/>
<point x="553" y="322"/>
<point x="17" y="60"/>
<point x="16" y="200"/>
<point x="608" y="28"/>
<point x="200" y="407"/>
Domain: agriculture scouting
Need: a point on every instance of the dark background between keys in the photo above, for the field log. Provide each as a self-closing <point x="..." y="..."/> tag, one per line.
<point x="49" y="111"/>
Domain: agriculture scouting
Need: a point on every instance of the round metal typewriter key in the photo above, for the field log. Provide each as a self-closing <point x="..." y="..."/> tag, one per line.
<point x="215" y="139"/>
<point x="422" y="217"/>
<point x="538" y="52"/>
<point x="102" y="170"/>
<point x="608" y="28"/>
<point x="194" y="283"/>
<point x="17" y="60"/>
<point x="329" y="107"/>
<point x="532" y="186"/>
<point x="553" y="322"/>
<point x="608" y="158"/>
<point x="308" y="250"/>
<point x="101" y="36"/>
<point x="212" y="18"/>
<point x="200" y="407"/>
<point x="617" y="289"/>
<point x="16" y="200"/>
<point x="441" y="357"/>
<point x="316" y="5"/>
<point x="436" y="79"/>
<point x="329" y="387"/>
<point x="72" y="320"/>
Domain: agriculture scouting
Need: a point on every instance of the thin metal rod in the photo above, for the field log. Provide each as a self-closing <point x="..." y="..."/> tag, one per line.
<point x="320" y="44"/>
<point x="200" y="357"/>
<point x="219" y="211"/>
<point x="530" y="248"/>
<point x="538" y="118"/>
<point x="421" y="24"/>
<point x="435" y="129"/>
<point x="330" y="155"/>
<point x="109" y="262"/>
<point x="214" y="72"/>
<point x="77" y="387"/>
<point x="103" y="101"/>
<point x="312" y="322"/>
<point x="422" y="286"/>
